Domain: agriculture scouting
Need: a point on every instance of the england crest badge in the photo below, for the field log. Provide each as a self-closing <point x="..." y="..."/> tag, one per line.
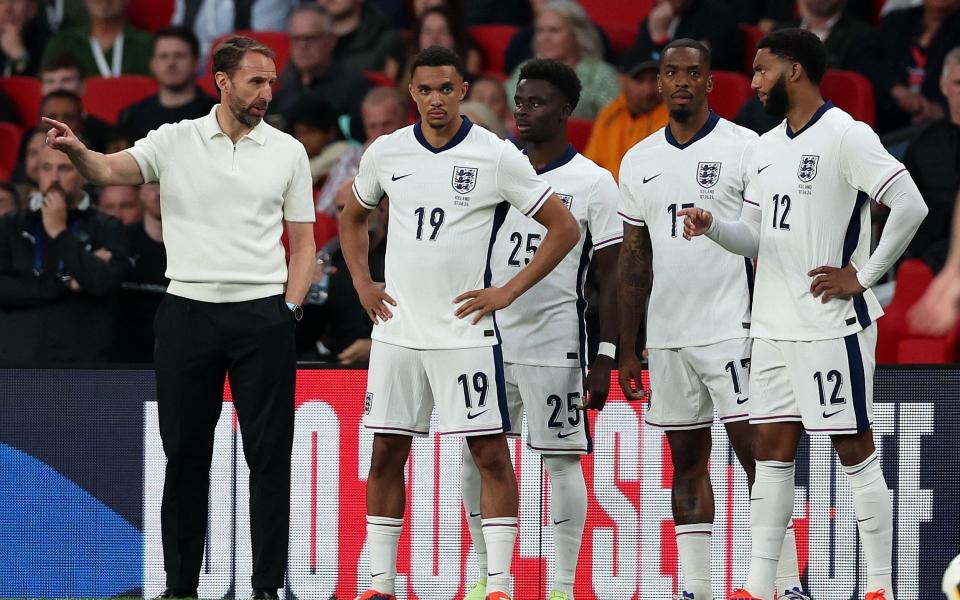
<point x="708" y="173"/>
<point x="808" y="167"/>
<point x="464" y="179"/>
<point x="567" y="199"/>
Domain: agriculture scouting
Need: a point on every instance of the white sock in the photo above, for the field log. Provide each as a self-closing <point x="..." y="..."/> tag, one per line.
<point x="500" y="534"/>
<point x="771" y="504"/>
<point x="693" y="546"/>
<point x="568" y="510"/>
<point x="471" y="508"/>
<point x="871" y="502"/>
<point x="383" y="535"/>
<point x="788" y="569"/>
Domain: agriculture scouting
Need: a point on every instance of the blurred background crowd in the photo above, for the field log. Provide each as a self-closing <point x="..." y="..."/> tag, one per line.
<point x="83" y="289"/>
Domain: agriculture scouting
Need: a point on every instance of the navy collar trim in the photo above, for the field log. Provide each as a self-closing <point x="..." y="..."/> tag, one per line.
<point x="456" y="139"/>
<point x="561" y="160"/>
<point x="712" y="121"/>
<point x="816" y="117"/>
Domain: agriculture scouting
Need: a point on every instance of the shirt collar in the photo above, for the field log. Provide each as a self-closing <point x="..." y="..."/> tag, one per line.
<point x="211" y="128"/>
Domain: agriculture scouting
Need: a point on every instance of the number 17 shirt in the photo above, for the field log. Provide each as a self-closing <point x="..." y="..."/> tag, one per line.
<point x="446" y="205"/>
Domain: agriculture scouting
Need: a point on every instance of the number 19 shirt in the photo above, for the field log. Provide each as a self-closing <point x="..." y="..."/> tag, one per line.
<point x="446" y="205"/>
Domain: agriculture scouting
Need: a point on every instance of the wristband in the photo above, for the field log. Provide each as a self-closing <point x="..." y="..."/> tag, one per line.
<point x="607" y="349"/>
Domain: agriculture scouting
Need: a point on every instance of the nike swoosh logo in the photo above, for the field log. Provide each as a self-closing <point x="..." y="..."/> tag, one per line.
<point x="645" y="179"/>
<point x="395" y="178"/>
<point x="561" y="436"/>
<point x="474" y="515"/>
<point x="755" y="499"/>
<point x="494" y="574"/>
<point x="375" y="575"/>
<point x="836" y="412"/>
<point x="741" y="401"/>
<point x="862" y="520"/>
<point x="560" y="522"/>
<point x="474" y="416"/>
<point x="761" y="169"/>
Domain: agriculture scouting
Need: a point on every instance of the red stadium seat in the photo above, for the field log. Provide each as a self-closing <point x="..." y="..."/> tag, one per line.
<point x="493" y="41"/>
<point x="278" y="41"/>
<point x="578" y="132"/>
<point x="621" y="36"/>
<point x="380" y="79"/>
<point x="25" y="94"/>
<point x="751" y="36"/>
<point x="106" y="97"/>
<point x="607" y="12"/>
<point x="730" y="91"/>
<point x="913" y="277"/>
<point x="852" y="92"/>
<point x="10" y="136"/>
<point x="150" y="15"/>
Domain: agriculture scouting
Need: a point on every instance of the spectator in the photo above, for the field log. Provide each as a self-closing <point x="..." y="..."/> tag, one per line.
<point x="121" y="202"/>
<point x="25" y="175"/>
<point x="492" y="12"/>
<point x="173" y="62"/>
<point x="364" y="38"/>
<point x="145" y="283"/>
<point x="339" y="327"/>
<point x="437" y="26"/>
<point x="520" y="48"/>
<point x="61" y="14"/>
<point x="22" y="37"/>
<point x="907" y="59"/>
<point x="63" y="104"/>
<point x="313" y="67"/>
<point x="314" y="123"/>
<point x="481" y="115"/>
<point x="933" y="159"/>
<point x="108" y="46"/>
<point x="9" y="199"/>
<point x="490" y="92"/>
<point x="564" y="33"/>
<point x="709" y="21"/>
<point x="384" y="110"/>
<point x="844" y="35"/>
<point x="636" y="113"/>
<point x="210" y="19"/>
<point x="8" y="110"/>
<point x="61" y="264"/>
<point x="65" y="72"/>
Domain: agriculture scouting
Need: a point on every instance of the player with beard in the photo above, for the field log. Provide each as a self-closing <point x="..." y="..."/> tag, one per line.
<point x="807" y="218"/>
<point x="544" y="331"/>
<point x="699" y="365"/>
<point x="228" y="181"/>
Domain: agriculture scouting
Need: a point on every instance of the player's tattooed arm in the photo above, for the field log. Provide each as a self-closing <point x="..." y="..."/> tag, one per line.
<point x="636" y="255"/>
<point x="605" y="261"/>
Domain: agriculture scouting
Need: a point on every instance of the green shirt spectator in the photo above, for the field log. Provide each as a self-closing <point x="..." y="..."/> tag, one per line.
<point x="76" y="41"/>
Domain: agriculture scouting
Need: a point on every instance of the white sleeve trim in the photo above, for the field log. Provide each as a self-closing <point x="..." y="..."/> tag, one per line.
<point x="888" y="182"/>
<point x="539" y="203"/>
<point x="363" y="203"/>
<point x="609" y="240"/>
<point x="631" y="220"/>
<point x="142" y="164"/>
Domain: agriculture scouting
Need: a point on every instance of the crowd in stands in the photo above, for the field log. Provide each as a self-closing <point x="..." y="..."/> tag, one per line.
<point x="80" y="277"/>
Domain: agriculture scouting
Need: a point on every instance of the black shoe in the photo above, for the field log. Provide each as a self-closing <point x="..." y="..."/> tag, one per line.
<point x="265" y="594"/>
<point x="177" y="593"/>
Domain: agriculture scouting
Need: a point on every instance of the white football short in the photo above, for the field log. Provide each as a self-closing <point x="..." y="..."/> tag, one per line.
<point x="686" y="384"/>
<point x="464" y="384"/>
<point x="827" y="384"/>
<point x="550" y="397"/>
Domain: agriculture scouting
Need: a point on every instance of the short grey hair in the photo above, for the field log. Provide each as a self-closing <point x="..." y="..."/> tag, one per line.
<point x="952" y="58"/>
<point x="315" y="9"/>
<point x="585" y="32"/>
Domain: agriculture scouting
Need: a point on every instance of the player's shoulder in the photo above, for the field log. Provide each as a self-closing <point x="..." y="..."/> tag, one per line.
<point x="587" y="169"/>
<point x="398" y="140"/>
<point x="650" y="144"/>
<point x="735" y="132"/>
<point x="276" y="139"/>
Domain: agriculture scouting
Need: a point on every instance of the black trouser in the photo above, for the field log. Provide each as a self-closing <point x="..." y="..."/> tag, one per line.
<point x="197" y="344"/>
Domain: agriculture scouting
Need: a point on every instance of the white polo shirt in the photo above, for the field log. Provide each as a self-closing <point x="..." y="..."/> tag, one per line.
<point x="223" y="205"/>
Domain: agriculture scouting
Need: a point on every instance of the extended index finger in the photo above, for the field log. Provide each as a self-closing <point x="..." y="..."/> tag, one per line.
<point x="54" y="124"/>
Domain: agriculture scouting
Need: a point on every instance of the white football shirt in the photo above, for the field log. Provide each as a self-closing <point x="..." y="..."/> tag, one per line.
<point x="446" y="205"/>
<point x="546" y="326"/>
<point x="813" y="188"/>
<point x="701" y="292"/>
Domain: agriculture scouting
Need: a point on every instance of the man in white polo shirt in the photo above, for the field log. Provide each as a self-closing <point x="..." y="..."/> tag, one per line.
<point x="228" y="181"/>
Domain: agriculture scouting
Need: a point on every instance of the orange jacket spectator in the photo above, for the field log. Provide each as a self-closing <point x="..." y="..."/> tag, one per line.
<point x="616" y="130"/>
<point x="633" y="115"/>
